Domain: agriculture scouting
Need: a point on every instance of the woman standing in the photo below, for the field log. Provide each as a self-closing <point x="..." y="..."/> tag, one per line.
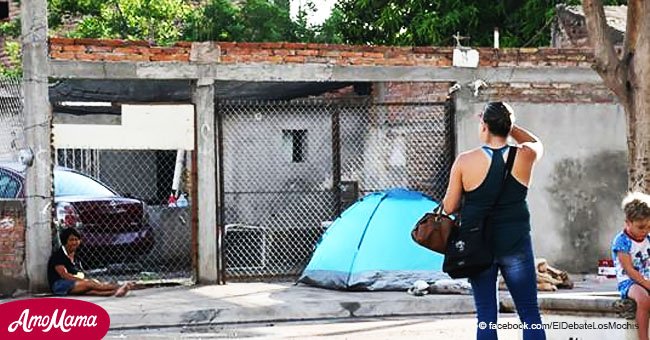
<point x="477" y="177"/>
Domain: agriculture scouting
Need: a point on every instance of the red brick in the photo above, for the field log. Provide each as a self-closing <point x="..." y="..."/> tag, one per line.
<point x="372" y="48"/>
<point x="183" y="44"/>
<point x="173" y="50"/>
<point x="443" y="50"/>
<point x="136" y="57"/>
<point x="253" y="45"/>
<point x="294" y="59"/>
<point x="113" y="57"/>
<point x="170" y="57"/>
<point x="330" y="53"/>
<point x="227" y="59"/>
<point x="89" y="56"/>
<point x="127" y="50"/>
<point x="307" y="52"/>
<point x="61" y="41"/>
<point x="153" y="50"/>
<point x="318" y="60"/>
<point x="99" y="49"/>
<point x="139" y="43"/>
<point x="332" y="47"/>
<point x="85" y="41"/>
<point x="74" y="48"/>
<point x="62" y="55"/>
<point x="270" y="45"/>
<point x="240" y="51"/>
<point x="351" y="54"/>
<point x="373" y="55"/>
<point x="423" y="49"/>
<point x="111" y="42"/>
<point x="294" y="46"/>
<point x="284" y="52"/>
<point x="56" y="48"/>
<point x="227" y="45"/>
<point x="274" y="59"/>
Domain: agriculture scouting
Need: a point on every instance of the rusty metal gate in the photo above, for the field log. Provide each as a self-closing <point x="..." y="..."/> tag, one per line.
<point x="290" y="168"/>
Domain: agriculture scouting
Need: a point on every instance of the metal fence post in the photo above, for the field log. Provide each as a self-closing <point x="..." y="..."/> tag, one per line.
<point x="336" y="158"/>
<point x="221" y="198"/>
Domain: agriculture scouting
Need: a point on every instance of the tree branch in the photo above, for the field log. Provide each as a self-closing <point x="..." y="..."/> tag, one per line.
<point x="632" y="28"/>
<point x="608" y="65"/>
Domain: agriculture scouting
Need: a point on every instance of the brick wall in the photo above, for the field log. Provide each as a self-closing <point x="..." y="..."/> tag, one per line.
<point x="512" y="92"/>
<point x="402" y="92"/>
<point x="281" y="53"/>
<point x="548" y="93"/>
<point x="12" y="248"/>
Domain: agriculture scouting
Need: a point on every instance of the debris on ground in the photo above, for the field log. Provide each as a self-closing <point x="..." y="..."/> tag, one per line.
<point x="443" y="286"/>
<point x="549" y="278"/>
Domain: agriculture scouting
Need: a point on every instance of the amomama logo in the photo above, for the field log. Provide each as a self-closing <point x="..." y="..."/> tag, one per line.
<point x="53" y="318"/>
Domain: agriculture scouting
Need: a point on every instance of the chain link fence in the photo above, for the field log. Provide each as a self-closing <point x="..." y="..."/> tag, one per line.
<point x="290" y="168"/>
<point x="120" y="201"/>
<point x="11" y="118"/>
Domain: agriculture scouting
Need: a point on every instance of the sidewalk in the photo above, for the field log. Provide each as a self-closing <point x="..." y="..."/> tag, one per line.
<point x="272" y="302"/>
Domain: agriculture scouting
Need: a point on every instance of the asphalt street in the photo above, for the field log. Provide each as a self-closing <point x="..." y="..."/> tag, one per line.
<point x="421" y="327"/>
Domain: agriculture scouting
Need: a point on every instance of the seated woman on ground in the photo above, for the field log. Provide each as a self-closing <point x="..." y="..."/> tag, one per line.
<point x="65" y="276"/>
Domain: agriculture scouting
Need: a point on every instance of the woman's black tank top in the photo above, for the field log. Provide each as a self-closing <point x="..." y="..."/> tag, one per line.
<point x="510" y="218"/>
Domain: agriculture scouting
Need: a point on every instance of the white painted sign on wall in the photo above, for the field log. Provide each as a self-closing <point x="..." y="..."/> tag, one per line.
<point x="143" y="127"/>
<point x="465" y="57"/>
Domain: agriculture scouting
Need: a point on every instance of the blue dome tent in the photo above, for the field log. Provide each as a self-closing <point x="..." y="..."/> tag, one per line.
<point x="369" y="247"/>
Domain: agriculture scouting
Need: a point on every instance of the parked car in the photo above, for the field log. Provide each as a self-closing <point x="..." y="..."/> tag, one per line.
<point x="114" y="228"/>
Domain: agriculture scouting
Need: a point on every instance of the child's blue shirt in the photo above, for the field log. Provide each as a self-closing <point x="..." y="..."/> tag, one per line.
<point x="640" y="254"/>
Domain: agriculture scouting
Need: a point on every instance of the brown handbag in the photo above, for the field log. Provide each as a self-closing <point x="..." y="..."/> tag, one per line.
<point x="433" y="229"/>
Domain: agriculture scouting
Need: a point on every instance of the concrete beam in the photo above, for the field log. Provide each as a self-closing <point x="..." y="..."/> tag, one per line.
<point x="316" y="72"/>
<point x="203" y="99"/>
<point x="91" y="119"/>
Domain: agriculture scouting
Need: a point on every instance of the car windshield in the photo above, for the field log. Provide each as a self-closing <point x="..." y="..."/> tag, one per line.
<point x="68" y="183"/>
<point x="9" y="186"/>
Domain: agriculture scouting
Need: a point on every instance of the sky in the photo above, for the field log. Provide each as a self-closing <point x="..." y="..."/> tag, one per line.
<point x="323" y="10"/>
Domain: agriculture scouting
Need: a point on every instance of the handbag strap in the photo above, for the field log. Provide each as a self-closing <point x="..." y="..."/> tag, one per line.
<point x="512" y="151"/>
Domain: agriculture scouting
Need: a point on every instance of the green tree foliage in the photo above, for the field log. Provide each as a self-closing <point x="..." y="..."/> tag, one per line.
<point x="427" y="22"/>
<point x="161" y="21"/>
<point x="13" y="69"/>
<point x="385" y="22"/>
<point x="252" y="20"/>
<point x="218" y="20"/>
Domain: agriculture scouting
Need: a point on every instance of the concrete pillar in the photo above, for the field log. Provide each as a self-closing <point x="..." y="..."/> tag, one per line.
<point x="206" y="165"/>
<point x="38" y="135"/>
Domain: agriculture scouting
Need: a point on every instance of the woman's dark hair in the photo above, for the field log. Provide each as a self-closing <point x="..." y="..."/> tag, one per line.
<point x="65" y="234"/>
<point x="497" y="116"/>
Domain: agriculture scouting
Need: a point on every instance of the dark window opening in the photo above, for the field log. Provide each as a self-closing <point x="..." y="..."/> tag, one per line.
<point x="4" y="10"/>
<point x="297" y="140"/>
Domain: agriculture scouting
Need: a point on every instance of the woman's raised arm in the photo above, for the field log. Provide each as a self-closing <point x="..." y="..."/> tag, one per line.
<point x="451" y="202"/>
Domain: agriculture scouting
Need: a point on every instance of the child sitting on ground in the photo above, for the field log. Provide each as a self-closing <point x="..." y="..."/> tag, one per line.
<point x="631" y="255"/>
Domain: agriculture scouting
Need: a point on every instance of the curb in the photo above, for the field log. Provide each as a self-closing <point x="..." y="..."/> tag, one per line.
<point x="592" y="304"/>
<point x="298" y="311"/>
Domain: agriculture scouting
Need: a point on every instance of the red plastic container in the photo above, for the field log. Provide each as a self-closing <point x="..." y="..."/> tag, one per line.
<point x="606" y="268"/>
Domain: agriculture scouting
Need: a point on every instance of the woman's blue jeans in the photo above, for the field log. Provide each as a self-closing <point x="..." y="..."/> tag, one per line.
<point x="518" y="270"/>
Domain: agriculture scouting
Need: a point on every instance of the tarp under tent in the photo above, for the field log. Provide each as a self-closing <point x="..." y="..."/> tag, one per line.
<point x="369" y="247"/>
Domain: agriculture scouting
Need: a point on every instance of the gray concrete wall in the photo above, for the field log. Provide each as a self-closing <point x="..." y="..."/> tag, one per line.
<point x="258" y="166"/>
<point x="132" y="173"/>
<point x="577" y="186"/>
<point x="265" y="188"/>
